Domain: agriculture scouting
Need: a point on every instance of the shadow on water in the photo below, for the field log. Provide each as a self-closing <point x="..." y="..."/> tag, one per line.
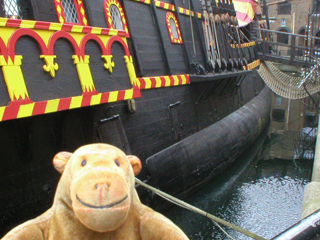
<point x="261" y="195"/>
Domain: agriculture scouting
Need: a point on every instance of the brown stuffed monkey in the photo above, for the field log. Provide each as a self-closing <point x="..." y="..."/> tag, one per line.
<point x="96" y="199"/>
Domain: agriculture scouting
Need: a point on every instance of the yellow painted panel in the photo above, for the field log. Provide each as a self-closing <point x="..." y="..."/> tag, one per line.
<point x="27" y="24"/>
<point x="3" y="21"/>
<point x="96" y="99"/>
<point x="176" y="80"/>
<point x="55" y="26"/>
<point x="96" y="30"/>
<point x="77" y="28"/>
<point x="76" y="102"/>
<point x="158" y="82"/>
<point x="15" y="82"/>
<point x="168" y="82"/>
<point x="148" y="83"/>
<point x="113" y="32"/>
<point x="128" y="94"/>
<point x="184" y="80"/>
<point x="113" y="97"/>
<point x="6" y="33"/>
<point x="77" y="36"/>
<point x="45" y="34"/>
<point x="2" y="109"/>
<point x="52" y="105"/>
<point x="25" y="110"/>
<point x="85" y="77"/>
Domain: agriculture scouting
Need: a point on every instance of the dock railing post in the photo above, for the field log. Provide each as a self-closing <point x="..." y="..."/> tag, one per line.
<point x="316" y="163"/>
<point x="311" y="200"/>
<point x="293" y="50"/>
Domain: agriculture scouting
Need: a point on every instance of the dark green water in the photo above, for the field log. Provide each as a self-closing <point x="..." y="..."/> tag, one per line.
<point x="261" y="195"/>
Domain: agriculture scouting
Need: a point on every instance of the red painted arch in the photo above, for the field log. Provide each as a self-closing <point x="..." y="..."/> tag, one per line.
<point x="3" y="48"/>
<point x="93" y="37"/>
<point x="62" y="34"/>
<point x="121" y="41"/>
<point x="25" y="32"/>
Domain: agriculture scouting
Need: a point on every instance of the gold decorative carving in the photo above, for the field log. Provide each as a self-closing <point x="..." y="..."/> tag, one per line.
<point x="50" y="67"/>
<point x="109" y="65"/>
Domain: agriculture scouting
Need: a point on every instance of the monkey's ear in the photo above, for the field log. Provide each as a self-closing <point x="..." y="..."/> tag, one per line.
<point x="135" y="163"/>
<point x="60" y="161"/>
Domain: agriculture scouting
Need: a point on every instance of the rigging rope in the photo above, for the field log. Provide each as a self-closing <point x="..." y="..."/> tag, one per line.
<point x="289" y="86"/>
<point x="197" y="210"/>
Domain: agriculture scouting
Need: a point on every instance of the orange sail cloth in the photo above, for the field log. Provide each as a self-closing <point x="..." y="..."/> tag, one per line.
<point x="246" y="10"/>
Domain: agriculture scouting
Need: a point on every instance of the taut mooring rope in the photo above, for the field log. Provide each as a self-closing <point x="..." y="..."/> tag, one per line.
<point x="197" y="210"/>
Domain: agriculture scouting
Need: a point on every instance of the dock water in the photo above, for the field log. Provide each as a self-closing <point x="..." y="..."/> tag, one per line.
<point x="257" y="193"/>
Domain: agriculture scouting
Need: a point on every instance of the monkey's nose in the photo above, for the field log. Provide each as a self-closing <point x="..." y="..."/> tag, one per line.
<point x="105" y="185"/>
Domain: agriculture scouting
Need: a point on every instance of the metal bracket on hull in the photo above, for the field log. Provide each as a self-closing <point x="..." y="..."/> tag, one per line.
<point x="111" y="131"/>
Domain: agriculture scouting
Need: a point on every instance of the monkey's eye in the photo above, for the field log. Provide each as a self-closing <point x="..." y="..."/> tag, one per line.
<point x="84" y="162"/>
<point x="117" y="162"/>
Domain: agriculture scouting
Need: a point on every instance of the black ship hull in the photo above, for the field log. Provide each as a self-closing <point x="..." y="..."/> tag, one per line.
<point x="151" y="93"/>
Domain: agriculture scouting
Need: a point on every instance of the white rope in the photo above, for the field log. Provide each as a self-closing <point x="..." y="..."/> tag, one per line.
<point x="224" y="231"/>
<point x="197" y="210"/>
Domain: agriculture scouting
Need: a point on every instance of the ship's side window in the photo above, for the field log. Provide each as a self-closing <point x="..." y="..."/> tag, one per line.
<point x="173" y="28"/>
<point x="12" y="9"/>
<point x="115" y="15"/>
<point x="71" y="11"/>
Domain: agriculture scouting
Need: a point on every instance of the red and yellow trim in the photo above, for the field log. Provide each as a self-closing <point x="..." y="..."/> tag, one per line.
<point x="20" y="109"/>
<point x="81" y="13"/>
<point x="163" y="81"/>
<point x="253" y="65"/>
<point x="170" y="16"/>
<point x="45" y="35"/>
<point x="168" y="6"/>
<point x="107" y="4"/>
<point x="28" y="24"/>
<point x="14" y="110"/>
<point x="185" y="11"/>
<point x="164" y="5"/>
<point x="143" y="1"/>
<point x="243" y="45"/>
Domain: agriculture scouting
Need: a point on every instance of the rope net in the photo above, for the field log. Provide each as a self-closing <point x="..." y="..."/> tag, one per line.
<point x="288" y="86"/>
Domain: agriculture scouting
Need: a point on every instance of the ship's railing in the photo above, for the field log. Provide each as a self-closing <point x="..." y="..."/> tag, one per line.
<point x="288" y="48"/>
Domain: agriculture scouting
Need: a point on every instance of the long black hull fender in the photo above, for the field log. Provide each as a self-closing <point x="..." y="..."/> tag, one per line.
<point x="185" y="166"/>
